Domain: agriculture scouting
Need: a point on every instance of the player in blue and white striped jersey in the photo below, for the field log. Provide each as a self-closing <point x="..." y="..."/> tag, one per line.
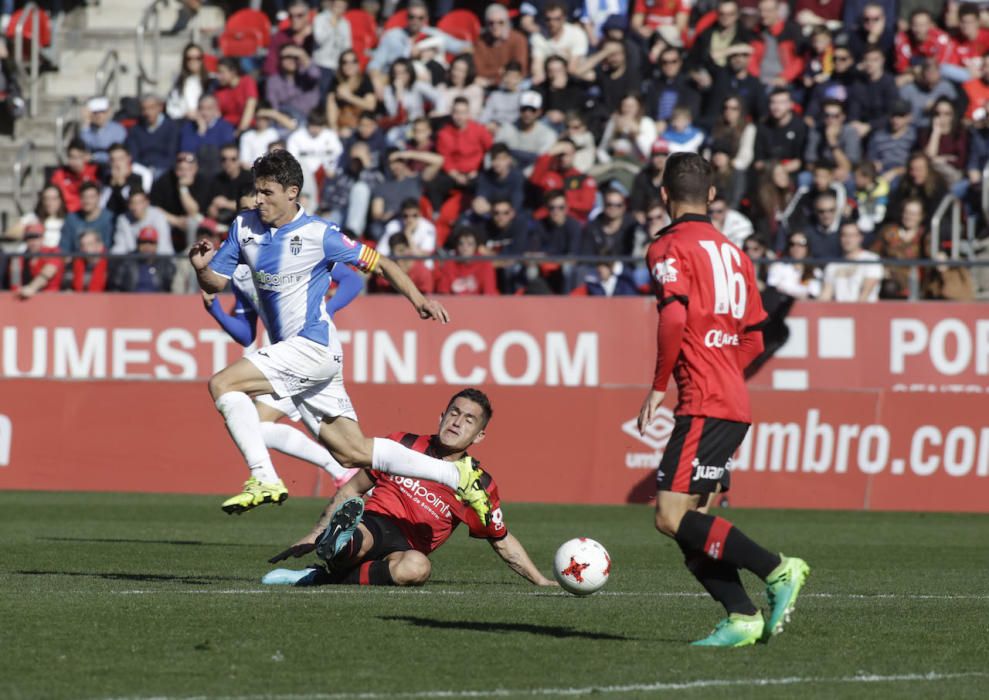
<point x="290" y="255"/>
<point x="241" y="324"/>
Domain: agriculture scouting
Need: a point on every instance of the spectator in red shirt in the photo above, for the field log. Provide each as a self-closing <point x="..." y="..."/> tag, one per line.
<point x="668" y="18"/>
<point x="77" y="170"/>
<point x="298" y="32"/>
<point x="775" y="33"/>
<point x="462" y="144"/>
<point x="922" y="40"/>
<point x="977" y="91"/>
<point x="237" y="95"/>
<point x="971" y="43"/>
<point x="555" y="171"/>
<point x="497" y="46"/>
<point x="466" y="278"/>
<point x="28" y="276"/>
<point x="89" y="274"/>
<point x="421" y="276"/>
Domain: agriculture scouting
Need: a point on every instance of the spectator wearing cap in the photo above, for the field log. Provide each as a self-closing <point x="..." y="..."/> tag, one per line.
<point x="76" y="171"/>
<point x="872" y="24"/>
<point x="399" y="42"/>
<point x="561" y="94"/>
<point x="671" y="88"/>
<point x="89" y="274"/>
<point x="776" y="59"/>
<point x="99" y="131"/>
<point x="501" y="180"/>
<point x="183" y="194"/>
<point x="154" y="140"/>
<point x="293" y="90"/>
<point x="834" y="141"/>
<point x="782" y="137"/>
<point x="528" y="137"/>
<point x="90" y="217"/>
<point x="318" y="150"/>
<point x="877" y="92"/>
<point x="648" y="180"/>
<point x="920" y="42"/>
<point x="466" y="277"/>
<point x="236" y="95"/>
<point x="149" y="274"/>
<point x="121" y="177"/>
<point x="554" y="170"/>
<point x="28" y="276"/>
<point x="732" y="224"/>
<point x="206" y="135"/>
<point x="228" y="186"/>
<point x="559" y="38"/>
<point x="463" y="144"/>
<point x="404" y="182"/>
<point x="498" y="45"/>
<point x="141" y="214"/>
<point x="734" y="79"/>
<point x="502" y="106"/>
<point x="609" y="70"/>
<point x="298" y="34"/>
<point x="852" y="282"/>
<point x="889" y="147"/>
<point x="926" y="89"/>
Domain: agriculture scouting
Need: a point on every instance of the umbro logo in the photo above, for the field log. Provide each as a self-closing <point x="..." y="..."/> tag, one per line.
<point x="657" y="433"/>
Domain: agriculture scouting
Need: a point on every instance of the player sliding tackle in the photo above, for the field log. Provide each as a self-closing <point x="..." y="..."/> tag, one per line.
<point x="388" y="540"/>
<point x="709" y="310"/>
<point x="290" y="255"/>
<point x="241" y="324"/>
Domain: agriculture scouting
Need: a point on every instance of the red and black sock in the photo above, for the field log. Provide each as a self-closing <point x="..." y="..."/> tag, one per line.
<point x="720" y="579"/>
<point x="369" y="573"/>
<point x="720" y="540"/>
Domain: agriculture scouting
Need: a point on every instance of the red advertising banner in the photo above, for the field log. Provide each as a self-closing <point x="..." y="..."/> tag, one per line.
<point x="875" y="406"/>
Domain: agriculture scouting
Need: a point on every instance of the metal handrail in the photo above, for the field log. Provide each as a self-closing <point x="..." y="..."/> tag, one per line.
<point x="107" y="76"/>
<point x="955" y="205"/>
<point x="31" y="76"/>
<point x="23" y="168"/>
<point x="62" y="119"/>
<point x="150" y="24"/>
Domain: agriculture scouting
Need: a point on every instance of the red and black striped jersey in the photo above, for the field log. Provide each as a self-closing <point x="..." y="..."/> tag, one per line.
<point x="428" y="512"/>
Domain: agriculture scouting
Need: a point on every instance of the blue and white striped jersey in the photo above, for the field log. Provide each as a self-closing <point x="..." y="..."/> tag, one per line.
<point x="291" y="268"/>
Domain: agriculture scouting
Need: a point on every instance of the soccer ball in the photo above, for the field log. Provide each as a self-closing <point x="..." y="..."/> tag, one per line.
<point x="581" y="566"/>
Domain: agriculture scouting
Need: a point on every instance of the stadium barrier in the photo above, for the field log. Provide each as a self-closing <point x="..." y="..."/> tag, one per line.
<point x="867" y="407"/>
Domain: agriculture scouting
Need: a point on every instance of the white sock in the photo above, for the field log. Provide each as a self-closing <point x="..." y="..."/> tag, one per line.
<point x="393" y="458"/>
<point x="290" y="441"/>
<point x="244" y="426"/>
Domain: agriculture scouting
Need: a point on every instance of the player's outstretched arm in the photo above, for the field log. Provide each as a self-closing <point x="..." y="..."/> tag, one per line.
<point x="427" y="308"/>
<point x="513" y="553"/>
<point x="357" y="486"/>
<point x="200" y="256"/>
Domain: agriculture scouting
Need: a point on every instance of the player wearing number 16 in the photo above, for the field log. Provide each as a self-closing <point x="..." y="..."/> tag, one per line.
<point x="709" y="313"/>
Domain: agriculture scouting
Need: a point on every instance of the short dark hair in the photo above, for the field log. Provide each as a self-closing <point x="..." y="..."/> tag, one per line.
<point x="501" y="199"/>
<point x="316" y="117"/>
<point x="687" y="177"/>
<point x="135" y="191"/>
<point x="780" y="90"/>
<point x="77" y="144"/>
<point x="231" y="64"/>
<point x="279" y="166"/>
<point x="461" y="100"/>
<point x="230" y="145"/>
<point x="88" y="185"/>
<point x="478" y="397"/>
<point x="117" y="147"/>
<point x="513" y="65"/>
<point x="409" y="203"/>
<point x="554" y="194"/>
<point x="968" y="9"/>
<point x="398" y="239"/>
<point x="500" y="149"/>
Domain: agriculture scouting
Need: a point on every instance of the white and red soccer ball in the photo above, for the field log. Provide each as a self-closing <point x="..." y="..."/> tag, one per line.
<point x="581" y="566"/>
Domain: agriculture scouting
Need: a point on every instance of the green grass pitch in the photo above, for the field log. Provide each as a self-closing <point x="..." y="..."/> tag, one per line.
<point x="136" y="596"/>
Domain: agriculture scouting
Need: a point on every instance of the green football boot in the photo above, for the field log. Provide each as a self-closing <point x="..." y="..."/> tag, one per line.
<point x="782" y="587"/>
<point x="255" y="493"/>
<point x="736" y="630"/>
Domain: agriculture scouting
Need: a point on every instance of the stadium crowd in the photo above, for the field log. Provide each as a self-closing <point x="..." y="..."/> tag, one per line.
<point x="539" y="130"/>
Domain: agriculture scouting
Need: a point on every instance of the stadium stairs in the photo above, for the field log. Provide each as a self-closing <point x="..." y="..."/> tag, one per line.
<point x="82" y="40"/>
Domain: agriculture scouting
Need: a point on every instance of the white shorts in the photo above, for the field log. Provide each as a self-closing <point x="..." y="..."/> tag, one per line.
<point x="308" y="374"/>
<point x="285" y="406"/>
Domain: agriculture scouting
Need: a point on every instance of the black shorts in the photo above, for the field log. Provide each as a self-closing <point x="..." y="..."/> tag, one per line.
<point x="387" y="536"/>
<point x="697" y="457"/>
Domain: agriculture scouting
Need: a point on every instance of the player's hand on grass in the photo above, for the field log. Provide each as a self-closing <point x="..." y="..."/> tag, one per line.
<point x="299" y="549"/>
<point x="201" y="253"/>
<point x="649" y="409"/>
<point x="431" y="309"/>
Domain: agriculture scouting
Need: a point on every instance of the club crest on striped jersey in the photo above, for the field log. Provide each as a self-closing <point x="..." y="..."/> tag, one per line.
<point x="295" y="245"/>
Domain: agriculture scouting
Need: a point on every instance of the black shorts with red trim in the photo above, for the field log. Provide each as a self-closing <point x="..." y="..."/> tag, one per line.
<point x="697" y="458"/>
<point x="387" y="535"/>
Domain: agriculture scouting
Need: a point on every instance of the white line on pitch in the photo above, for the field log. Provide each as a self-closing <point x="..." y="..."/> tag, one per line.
<point x="617" y="689"/>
